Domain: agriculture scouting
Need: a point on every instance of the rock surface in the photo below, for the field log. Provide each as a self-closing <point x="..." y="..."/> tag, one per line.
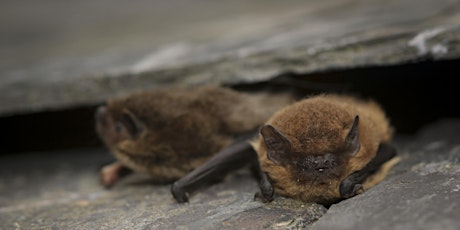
<point x="60" y="190"/>
<point x="56" y="56"/>
<point x="423" y="191"/>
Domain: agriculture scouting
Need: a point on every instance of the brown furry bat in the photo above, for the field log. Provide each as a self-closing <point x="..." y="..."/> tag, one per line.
<point x="168" y="132"/>
<point x="310" y="150"/>
<point x="321" y="149"/>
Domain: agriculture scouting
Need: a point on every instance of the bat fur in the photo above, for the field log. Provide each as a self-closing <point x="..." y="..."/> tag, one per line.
<point x="166" y="133"/>
<point x="310" y="147"/>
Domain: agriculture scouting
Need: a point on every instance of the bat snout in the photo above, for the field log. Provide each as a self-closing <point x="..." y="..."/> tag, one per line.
<point x="101" y="120"/>
<point x="101" y="113"/>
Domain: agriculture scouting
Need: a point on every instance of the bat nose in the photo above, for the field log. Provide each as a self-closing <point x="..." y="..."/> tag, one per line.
<point x="101" y="113"/>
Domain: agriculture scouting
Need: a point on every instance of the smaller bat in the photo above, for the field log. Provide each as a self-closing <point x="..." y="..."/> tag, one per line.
<point x="166" y="133"/>
<point x="321" y="149"/>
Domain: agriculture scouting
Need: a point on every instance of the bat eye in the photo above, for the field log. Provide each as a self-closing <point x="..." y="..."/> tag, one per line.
<point x="118" y="127"/>
<point x="270" y="142"/>
<point x="131" y="124"/>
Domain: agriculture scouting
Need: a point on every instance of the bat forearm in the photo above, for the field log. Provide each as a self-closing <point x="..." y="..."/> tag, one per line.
<point x="235" y="156"/>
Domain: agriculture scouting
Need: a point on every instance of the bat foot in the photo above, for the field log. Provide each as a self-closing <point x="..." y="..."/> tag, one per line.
<point x="348" y="189"/>
<point x="264" y="199"/>
<point x="179" y="194"/>
<point x="267" y="193"/>
<point x="108" y="176"/>
<point x="106" y="181"/>
<point x="111" y="174"/>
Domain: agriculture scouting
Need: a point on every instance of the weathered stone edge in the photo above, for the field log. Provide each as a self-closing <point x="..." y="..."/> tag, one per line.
<point x="372" y="49"/>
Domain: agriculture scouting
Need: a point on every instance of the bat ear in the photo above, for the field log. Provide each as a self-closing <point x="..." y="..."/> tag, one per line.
<point x="133" y="124"/>
<point x="278" y="146"/>
<point x="352" y="140"/>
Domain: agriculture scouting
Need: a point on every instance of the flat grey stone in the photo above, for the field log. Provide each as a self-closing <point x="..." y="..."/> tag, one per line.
<point x="61" y="190"/>
<point x="58" y="56"/>
<point x="423" y="191"/>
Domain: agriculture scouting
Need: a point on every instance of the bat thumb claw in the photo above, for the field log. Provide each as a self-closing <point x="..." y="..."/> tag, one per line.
<point x="264" y="199"/>
<point x="178" y="193"/>
<point x="358" y="189"/>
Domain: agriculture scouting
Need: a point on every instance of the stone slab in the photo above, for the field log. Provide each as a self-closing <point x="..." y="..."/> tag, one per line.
<point x="56" y="56"/>
<point x="423" y="191"/>
<point x="61" y="191"/>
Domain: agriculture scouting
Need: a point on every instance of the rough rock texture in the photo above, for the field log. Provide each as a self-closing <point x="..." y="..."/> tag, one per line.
<point x="52" y="191"/>
<point x="423" y="191"/>
<point x="60" y="190"/>
<point x="57" y="56"/>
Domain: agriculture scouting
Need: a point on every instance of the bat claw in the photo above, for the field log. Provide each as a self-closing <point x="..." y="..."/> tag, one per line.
<point x="178" y="193"/>
<point x="264" y="199"/>
<point x="358" y="189"/>
<point x="348" y="188"/>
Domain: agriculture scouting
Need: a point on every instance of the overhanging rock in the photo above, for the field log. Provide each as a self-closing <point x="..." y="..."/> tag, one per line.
<point x="300" y="37"/>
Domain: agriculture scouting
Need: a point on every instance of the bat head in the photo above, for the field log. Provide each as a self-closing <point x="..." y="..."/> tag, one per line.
<point x="114" y="126"/>
<point x="144" y="123"/>
<point x="309" y="161"/>
<point x="314" y="163"/>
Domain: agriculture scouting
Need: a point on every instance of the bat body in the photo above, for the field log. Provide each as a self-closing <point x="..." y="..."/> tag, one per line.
<point x="323" y="149"/>
<point x="166" y="133"/>
<point x="320" y="149"/>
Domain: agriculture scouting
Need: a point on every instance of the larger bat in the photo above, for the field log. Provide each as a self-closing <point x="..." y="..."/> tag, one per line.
<point x="321" y="149"/>
<point x="166" y="133"/>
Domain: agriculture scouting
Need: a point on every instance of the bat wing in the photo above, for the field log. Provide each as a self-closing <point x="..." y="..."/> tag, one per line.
<point x="267" y="192"/>
<point x="353" y="183"/>
<point x="228" y="159"/>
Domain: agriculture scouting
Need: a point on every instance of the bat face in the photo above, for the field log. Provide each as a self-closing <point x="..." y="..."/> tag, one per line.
<point x="308" y="149"/>
<point x="316" y="169"/>
<point x="313" y="172"/>
<point x="124" y="135"/>
<point x="317" y="162"/>
<point x="114" y="128"/>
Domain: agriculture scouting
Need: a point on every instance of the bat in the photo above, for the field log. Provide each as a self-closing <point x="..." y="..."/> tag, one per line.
<point x="321" y="149"/>
<point x="166" y="133"/>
